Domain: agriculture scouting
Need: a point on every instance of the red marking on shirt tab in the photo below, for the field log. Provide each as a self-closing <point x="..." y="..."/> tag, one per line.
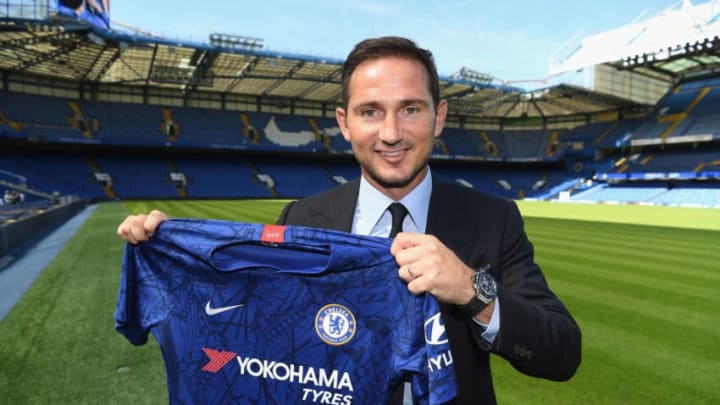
<point x="273" y="234"/>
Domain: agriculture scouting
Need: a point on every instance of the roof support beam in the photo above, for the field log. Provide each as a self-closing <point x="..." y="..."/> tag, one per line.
<point x="283" y="78"/>
<point x="246" y="69"/>
<point x="153" y="58"/>
<point x="107" y="65"/>
<point x="40" y="58"/>
<point x="327" y="79"/>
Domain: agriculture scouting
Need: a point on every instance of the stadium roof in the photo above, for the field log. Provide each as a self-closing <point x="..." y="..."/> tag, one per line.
<point x="678" y="42"/>
<point x="70" y="50"/>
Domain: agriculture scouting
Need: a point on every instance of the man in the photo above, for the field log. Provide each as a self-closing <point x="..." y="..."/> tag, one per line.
<point x="467" y="249"/>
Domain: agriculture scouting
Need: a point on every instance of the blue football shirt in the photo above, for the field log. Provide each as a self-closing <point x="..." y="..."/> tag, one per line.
<point x="269" y="314"/>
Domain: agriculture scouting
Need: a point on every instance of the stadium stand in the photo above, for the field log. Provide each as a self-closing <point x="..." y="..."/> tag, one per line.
<point x="220" y="177"/>
<point x="294" y="178"/>
<point x="686" y="196"/>
<point x="332" y="136"/>
<point x="104" y="124"/>
<point x="137" y="176"/>
<point x="603" y="193"/>
<point x="342" y="171"/>
<point x="667" y="162"/>
<point x="463" y="144"/>
<point x="701" y="197"/>
<point x="51" y="173"/>
<point x="524" y="145"/>
<point x="142" y="126"/>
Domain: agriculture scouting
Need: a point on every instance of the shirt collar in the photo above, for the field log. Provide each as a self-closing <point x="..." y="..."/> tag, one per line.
<point x="372" y="203"/>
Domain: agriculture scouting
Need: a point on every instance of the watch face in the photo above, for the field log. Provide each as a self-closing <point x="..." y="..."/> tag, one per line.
<point x="485" y="287"/>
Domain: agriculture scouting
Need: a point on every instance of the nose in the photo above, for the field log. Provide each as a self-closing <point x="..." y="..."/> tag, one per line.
<point x="390" y="133"/>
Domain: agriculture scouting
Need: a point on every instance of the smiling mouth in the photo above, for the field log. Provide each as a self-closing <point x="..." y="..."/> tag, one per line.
<point x="392" y="157"/>
<point x="392" y="153"/>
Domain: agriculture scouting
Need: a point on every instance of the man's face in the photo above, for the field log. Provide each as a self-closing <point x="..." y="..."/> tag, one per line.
<point x="391" y="123"/>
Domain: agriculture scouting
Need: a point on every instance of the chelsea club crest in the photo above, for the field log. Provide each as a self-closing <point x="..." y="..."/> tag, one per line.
<point x="335" y="324"/>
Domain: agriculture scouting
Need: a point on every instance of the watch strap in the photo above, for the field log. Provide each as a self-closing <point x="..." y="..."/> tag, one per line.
<point x="485" y="291"/>
<point x="473" y="307"/>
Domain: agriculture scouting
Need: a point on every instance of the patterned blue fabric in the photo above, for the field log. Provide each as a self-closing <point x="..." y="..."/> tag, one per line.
<point x="266" y="314"/>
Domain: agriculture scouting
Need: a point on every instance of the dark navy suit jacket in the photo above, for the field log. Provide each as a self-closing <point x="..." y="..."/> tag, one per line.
<point x="537" y="335"/>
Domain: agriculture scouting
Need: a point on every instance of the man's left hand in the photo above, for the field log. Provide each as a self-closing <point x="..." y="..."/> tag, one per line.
<point x="427" y="265"/>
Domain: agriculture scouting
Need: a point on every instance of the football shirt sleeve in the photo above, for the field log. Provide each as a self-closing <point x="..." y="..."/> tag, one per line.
<point x="142" y="299"/>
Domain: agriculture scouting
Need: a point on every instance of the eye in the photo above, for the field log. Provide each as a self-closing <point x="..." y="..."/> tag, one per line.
<point x="412" y="110"/>
<point x="368" y="113"/>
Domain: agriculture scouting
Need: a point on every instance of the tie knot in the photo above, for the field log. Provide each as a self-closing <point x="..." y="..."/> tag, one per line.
<point x="398" y="212"/>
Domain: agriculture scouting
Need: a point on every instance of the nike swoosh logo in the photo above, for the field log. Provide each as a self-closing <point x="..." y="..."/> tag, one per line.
<point x="214" y="311"/>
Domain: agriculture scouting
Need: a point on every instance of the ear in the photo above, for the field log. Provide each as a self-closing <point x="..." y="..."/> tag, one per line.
<point x="440" y="114"/>
<point x="342" y="122"/>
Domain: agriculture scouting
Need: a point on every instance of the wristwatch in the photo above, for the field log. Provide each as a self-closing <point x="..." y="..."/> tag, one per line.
<point x="485" y="291"/>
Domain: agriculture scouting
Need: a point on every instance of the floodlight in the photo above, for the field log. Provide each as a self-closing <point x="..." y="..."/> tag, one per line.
<point x="235" y="41"/>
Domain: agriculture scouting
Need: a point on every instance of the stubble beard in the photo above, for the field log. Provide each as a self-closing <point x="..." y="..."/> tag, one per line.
<point x="395" y="184"/>
<point x="375" y="176"/>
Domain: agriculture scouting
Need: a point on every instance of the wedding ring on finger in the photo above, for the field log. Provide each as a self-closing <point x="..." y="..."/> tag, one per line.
<point x="410" y="272"/>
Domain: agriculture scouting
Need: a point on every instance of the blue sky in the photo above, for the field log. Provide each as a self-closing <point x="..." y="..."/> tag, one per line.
<point x="510" y="39"/>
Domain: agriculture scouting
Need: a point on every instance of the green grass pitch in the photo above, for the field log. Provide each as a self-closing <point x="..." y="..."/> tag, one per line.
<point x="647" y="299"/>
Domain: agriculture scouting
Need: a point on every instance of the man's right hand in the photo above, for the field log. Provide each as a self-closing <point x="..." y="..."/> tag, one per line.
<point x="139" y="228"/>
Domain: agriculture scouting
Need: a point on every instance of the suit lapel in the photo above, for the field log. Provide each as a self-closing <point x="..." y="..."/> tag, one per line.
<point x="446" y="220"/>
<point x="338" y="210"/>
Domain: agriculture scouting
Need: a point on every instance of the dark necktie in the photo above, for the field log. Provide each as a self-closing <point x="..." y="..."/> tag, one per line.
<point x="398" y="212"/>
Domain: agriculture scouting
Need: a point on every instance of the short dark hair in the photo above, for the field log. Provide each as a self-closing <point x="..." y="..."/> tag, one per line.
<point x="375" y="48"/>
